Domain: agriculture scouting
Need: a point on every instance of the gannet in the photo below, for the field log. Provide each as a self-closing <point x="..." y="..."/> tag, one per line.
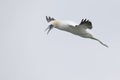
<point x="72" y="27"/>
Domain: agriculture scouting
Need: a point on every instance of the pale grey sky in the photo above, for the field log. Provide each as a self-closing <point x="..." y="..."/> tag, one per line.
<point x="28" y="53"/>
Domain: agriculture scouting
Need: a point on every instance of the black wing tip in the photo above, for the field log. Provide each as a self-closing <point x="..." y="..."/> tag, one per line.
<point x="48" y="18"/>
<point x="86" y="22"/>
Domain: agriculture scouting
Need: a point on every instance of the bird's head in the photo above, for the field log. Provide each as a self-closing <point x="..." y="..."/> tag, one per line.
<point x="52" y="23"/>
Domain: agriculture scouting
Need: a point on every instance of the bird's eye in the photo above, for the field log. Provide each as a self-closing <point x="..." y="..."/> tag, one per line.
<point x="51" y="26"/>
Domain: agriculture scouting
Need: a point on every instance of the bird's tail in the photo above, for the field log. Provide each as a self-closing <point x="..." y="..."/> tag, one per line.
<point x="100" y="41"/>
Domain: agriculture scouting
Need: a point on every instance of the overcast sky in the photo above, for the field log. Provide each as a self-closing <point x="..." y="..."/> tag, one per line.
<point x="28" y="53"/>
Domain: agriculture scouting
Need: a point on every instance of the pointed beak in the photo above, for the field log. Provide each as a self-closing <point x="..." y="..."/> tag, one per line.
<point x="49" y="28"/>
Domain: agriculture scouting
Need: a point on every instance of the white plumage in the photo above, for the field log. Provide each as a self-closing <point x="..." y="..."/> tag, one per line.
<point x="74" y="28"/>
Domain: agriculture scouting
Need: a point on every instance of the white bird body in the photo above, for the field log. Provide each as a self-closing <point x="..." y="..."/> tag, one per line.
<point x="69" y="26"/>
<point x="72" y="27"/>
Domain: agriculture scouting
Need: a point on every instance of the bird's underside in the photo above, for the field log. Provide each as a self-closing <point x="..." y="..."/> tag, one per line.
<point x="79" y="29"/>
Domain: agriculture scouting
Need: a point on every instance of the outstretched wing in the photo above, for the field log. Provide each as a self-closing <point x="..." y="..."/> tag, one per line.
<point x="49" y="19"/>
<point x="86" y="24"/>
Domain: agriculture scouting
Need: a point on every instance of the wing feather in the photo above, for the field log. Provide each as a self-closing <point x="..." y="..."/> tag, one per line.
<point x="86" y="24"/>
<point x="49" y="19"/>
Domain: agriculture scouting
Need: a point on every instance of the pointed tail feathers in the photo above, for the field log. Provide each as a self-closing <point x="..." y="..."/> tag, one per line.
<point x="100" y="42"/>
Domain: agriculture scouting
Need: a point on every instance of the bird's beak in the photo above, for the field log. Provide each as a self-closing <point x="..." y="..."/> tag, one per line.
<point x="49" y="28"/>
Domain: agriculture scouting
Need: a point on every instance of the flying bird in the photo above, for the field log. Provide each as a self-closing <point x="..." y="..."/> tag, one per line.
<point x="72" y="27"/>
